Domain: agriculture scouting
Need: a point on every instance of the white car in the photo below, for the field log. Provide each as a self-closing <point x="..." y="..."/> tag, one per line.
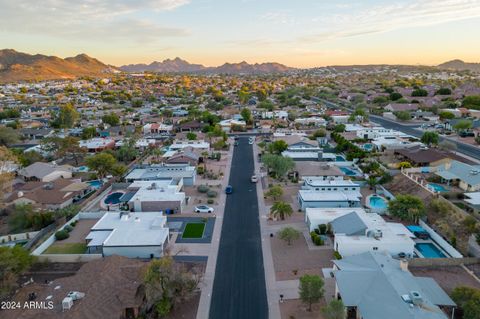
<point x="254" y="178"/>
<point x="250" y="141"/>
<point x="203" y="209"/>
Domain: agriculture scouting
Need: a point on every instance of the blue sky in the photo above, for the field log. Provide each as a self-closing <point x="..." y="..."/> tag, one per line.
<point x="294" y="32"/>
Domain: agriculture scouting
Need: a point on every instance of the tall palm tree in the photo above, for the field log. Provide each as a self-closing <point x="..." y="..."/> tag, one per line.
<point x="281" y="210"/>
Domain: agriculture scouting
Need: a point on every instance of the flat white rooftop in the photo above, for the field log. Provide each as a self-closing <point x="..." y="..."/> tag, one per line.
<point x="130" y="229"/>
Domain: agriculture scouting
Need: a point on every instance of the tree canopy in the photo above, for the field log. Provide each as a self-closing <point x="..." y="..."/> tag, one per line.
<point x="311" y="289"/>
<point x="407" y="207"/>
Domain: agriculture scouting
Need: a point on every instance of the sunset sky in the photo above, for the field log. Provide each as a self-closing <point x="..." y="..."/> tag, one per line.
<point x="300" y="33"/>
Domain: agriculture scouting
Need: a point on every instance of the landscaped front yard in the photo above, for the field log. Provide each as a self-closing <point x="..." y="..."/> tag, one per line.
<point x="193" y="230"/>
<point x="66" y="248"/>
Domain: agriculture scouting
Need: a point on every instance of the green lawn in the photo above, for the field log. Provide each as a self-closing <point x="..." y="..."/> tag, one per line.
<point x="193" y="230"/>
<point x="67" y="248"/>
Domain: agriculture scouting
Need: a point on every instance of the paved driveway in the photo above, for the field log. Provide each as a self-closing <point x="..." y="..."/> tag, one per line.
<point x="239" y="285"/>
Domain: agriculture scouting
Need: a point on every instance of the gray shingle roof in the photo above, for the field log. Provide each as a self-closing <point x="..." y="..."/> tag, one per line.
<point x="349" y="224"/>
<point x="374" y="283"/>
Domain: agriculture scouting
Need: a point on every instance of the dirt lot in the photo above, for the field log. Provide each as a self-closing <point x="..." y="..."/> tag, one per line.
<point x="297" y="257"/>
<point x="80" y="231"/>
<point x="448" y="277"/>
<point x="295" y="309"/>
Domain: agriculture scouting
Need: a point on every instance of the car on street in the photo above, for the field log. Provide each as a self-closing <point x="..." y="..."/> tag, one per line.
<point x="235" y="144"/>
<point x="203" y="209"/>
<point x="250" y="141"/>
<point x="254" y="178"/>
<point x="229" y="189"/>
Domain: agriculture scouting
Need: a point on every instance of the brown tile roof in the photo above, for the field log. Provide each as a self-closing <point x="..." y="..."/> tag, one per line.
<point x="110" y="285"/>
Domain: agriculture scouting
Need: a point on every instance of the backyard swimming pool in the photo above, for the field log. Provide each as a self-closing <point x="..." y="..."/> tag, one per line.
<point x="113" y="198"/>
<point x="339" y="158"/>
<point x="348" y="171"/>
<point x="377" y="202"/>
<point x="95" y="184"/>
<point x="368" y="147"/>
<point x="437" y="187"/>
<point x="429" y="250"/>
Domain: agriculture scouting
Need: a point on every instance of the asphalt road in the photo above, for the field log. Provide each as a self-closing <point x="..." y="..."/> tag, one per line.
<point x="467" y="149"/>
<point x="239" y="284"/>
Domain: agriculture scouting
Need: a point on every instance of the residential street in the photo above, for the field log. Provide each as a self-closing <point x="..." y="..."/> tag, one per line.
<point x="239" y="285"/>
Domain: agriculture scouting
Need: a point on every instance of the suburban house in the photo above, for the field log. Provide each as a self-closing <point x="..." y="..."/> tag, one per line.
<point x="466" y="176"/>
<point x="308" y="170"/>
<point x="45" y="172"/>
<point x="356" y="231"/>
<point x="378" y="131"/>
<point x="227" y="125"/>
<point x="155" y="196"/>
<point x="191" y="126"/>
<point x="317" y="192"/>
<point x="373" y="285"/>
<point x="53" y="195"/>
<point x="424" y="156"/>
<point x="473" y="199"/>
<point x="187" y="156"/>
<point x="196" y="144"/>
<point x="401" y="107"/>
<point x="36" y="133"/>
<point x="97" y="144"/>
<point x="133" y="235"/>
<point x="163" y="172"/>
<point x="313" y="121"/>
<point x="157" y="129"/>
<point x="110" y="286"/>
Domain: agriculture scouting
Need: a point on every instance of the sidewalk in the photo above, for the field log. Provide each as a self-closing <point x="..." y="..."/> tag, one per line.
<point x="273" y="295"/>
<point x="207" y="283"/>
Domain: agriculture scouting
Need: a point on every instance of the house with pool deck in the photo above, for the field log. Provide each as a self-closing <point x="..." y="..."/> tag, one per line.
<point x="317" y="192"/>
<point x="356" y="231"/>
<point x="163" y="171"/>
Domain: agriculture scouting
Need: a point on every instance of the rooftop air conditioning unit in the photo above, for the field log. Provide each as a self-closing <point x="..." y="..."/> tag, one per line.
<point x="416" y="298"/>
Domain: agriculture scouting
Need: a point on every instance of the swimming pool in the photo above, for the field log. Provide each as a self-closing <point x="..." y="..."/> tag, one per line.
<point x="437" y="187"/>
<point x="368" y="147"/>
<point x="113" y="198"/>
<point x="339" y="158"/>
<point x="95" y="184"/>
<point x="348" y="171"/>
<point x="377" y="202"/>
<point x="429" y="250"/>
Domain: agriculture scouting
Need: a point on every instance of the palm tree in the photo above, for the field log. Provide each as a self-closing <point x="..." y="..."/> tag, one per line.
<point x="372" y="181"/>
<point x="281" y="210"/>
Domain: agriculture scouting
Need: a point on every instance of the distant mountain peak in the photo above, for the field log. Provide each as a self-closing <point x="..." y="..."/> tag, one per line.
<point x="179" y="65"/>
<point x="460" y="65"/>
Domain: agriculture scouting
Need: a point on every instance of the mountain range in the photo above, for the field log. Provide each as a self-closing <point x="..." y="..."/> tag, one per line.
<point x="17" y="66"/>
<point x="460" y="65"/>
<point x="178" y="65"/>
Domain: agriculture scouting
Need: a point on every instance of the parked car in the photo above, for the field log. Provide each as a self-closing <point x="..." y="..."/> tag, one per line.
<point x="254" y="178"/>
<point x="466" y="134"/>
<point x="235" y="144"/>
<point x="250" y="140"/>
<point x="203" y="209"/>
<point x="229" y="189"/>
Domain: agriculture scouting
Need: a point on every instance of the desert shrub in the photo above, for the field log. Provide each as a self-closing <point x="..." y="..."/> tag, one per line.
<point x="61" y="235"/>
<point x="68" y="228"/>
<point x="313" y="235"/>
<point x="337" y="255"/>
<point x="323" y="229"/>
<point x="203" y="188"/>
<point x="317" y="231"/>
<point x="200" y="170"/>
<point x="212" y="194"/>
<point x="318" y="241"/>
<point x="210" y="201"/>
